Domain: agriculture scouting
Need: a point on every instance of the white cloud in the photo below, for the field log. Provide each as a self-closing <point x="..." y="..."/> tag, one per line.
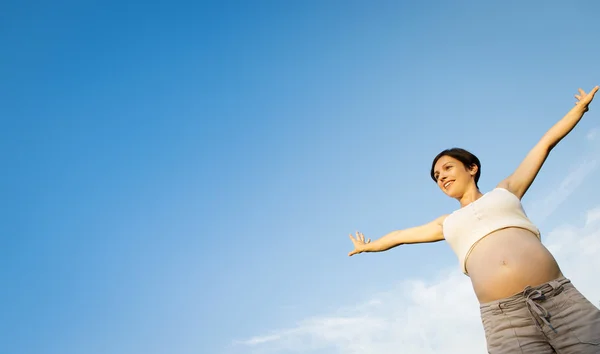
<point x="416" y="316"/>
<point x="592" y="134"/>
<point x="578" y="251"/>
<point x="541" y="209"/>
<point x="261" y="340"/>
<point x="592" y="216"/>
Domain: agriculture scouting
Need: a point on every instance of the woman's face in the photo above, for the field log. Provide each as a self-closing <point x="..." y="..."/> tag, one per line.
<point x="452" y="176"/>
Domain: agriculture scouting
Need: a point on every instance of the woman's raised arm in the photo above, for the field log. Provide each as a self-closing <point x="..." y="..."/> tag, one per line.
<point x="522" y="178"/>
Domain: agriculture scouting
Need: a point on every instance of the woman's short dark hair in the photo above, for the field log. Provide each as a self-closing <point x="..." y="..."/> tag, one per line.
<point x="461" y="155"/>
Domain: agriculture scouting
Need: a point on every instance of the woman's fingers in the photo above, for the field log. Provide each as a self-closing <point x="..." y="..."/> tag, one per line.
<point x="591" y="94"/>
<point x="585" y="98"/>
<point x="360" y="238"/>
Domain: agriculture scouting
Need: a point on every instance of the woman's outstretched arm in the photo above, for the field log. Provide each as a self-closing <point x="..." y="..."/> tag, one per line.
<point x="522" y="178"/>
<point x="430" y="232"/>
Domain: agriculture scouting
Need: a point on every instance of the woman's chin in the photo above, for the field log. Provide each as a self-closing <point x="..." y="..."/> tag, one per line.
<point x="450" y="193"/>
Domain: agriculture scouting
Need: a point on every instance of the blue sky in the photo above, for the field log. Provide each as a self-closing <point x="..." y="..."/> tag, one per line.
<point x="182" y="177"/>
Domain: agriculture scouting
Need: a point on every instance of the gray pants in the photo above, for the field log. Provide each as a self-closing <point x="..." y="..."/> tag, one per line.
<point x="551" y="318"/>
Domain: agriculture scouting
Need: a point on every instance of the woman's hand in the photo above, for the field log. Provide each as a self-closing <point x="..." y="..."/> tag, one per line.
<point x="359" y="243"/>
<point x="584" y="99"/>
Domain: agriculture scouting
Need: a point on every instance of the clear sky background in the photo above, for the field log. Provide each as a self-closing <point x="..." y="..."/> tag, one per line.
<point x="182" y="177"/>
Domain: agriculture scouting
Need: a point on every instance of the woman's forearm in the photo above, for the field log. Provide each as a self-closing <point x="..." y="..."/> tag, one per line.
<point x="385" y="243"/>
<point x="563" y="127"/>
<point x="430" y="232"/>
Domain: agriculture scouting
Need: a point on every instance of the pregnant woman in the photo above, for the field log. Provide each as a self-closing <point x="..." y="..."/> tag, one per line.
<point x="526" y="304"/>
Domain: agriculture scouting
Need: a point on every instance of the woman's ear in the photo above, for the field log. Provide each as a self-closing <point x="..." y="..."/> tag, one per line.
<point x="473" y="169"/>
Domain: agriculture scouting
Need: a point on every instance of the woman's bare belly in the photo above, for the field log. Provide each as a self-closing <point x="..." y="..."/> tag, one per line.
<point x="506" y="261"/>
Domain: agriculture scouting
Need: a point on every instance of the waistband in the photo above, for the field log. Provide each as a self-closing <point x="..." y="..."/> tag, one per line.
<point x="553" y="287"/>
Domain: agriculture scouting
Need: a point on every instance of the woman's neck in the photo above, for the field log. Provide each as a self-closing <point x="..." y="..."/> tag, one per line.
<point x="470" y="195"/>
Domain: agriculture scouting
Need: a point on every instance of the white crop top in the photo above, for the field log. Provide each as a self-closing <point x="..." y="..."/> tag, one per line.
<point x="495" y="210"/>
